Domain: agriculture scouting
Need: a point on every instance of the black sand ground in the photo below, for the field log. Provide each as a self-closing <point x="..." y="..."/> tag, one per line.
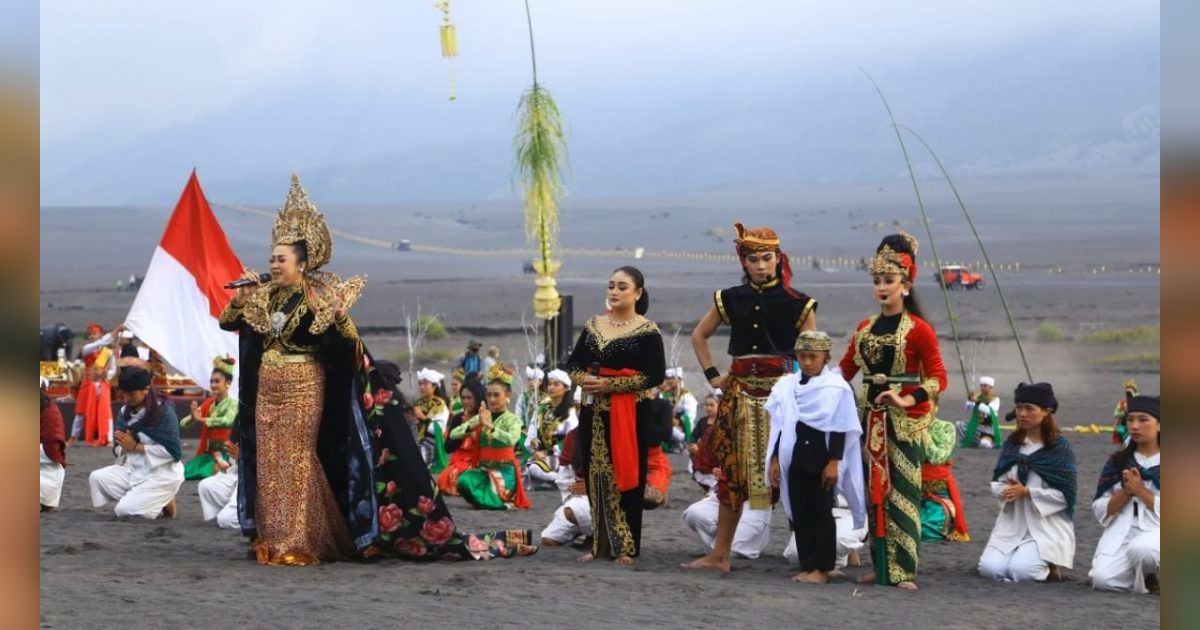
<point x="98" y="572"/>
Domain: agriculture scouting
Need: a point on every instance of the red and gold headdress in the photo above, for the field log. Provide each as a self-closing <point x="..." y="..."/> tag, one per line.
<point x="760" y="239"/>
<point x="891" y="258"/>
<point x="93" y="327"/>
<point x="764" y="239"/>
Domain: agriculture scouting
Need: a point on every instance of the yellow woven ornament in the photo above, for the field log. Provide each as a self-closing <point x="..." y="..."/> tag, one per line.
<point x="449" y="38"/>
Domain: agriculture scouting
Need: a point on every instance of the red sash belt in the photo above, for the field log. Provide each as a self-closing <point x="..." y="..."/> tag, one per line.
<point x="622" y="432"/>
<point x="207" y="434"/>
<point x="941" y="472"/>
<point x="507" y="454"/>
<point x="761" y="366"/>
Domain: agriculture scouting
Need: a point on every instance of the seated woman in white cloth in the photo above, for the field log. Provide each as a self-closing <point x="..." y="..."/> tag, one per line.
<point x="218" y="493"/>
<point x="573" y="519"/>
<point x="753" y="531"/>
<point x="148" y="471"/>
<point x="1127" y="505"/>
<point x="1034" y="483"/>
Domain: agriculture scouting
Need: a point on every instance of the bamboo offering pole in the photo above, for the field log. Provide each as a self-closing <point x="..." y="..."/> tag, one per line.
<point x="541" y="155"/>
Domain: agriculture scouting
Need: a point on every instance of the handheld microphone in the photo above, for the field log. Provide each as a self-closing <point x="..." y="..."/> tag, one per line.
<point x="595" y="371"/>
<point x="263" y="278"/>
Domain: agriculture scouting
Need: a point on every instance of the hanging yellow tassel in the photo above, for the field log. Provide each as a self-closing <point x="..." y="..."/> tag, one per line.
<point x="449" y="38"/>
<point x="449" y="42"/>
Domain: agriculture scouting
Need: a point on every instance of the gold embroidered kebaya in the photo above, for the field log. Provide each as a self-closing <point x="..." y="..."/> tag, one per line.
<point x="298" y="221"/>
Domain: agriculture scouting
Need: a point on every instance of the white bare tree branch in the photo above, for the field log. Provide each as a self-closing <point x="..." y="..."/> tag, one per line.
<point x="415" y="331"/>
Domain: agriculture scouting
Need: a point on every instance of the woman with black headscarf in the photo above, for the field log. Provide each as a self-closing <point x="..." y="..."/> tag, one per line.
<point x="148" y="471"/>
<point x="1035" y="483"/>
<point x="1127" y="505"/>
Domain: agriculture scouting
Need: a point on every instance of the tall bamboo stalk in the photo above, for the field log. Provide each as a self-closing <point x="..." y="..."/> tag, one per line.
<point x="928" y="231"/>
<point x="987" y="259"/>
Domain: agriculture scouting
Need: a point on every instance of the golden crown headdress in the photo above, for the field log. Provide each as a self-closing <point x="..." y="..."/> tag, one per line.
<point x="887" y="260"/>
<point x="299" y="220"/>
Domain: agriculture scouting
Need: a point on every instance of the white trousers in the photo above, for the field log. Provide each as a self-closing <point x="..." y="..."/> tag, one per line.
<point x="215" y="492"/>
<point x="752" y="535"/>
<point x="227" y="518"/>
<point x="52" y="474"/>
<point x="1126" y="570"/>
<point x="1023" y="564"/>
<point x="563" y="531"/>
<point x="537" y="474"/>
<point x="145" y="497"/>
<point x="848" y="539"/>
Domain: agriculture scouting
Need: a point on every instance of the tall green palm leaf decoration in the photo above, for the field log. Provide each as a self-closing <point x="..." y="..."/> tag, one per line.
<point x="541" y="155"/>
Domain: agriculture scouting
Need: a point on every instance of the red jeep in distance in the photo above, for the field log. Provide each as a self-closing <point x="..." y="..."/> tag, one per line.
<point x="959" y="277"/>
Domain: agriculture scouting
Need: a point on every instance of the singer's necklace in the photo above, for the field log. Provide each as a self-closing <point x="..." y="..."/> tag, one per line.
<point x="621" y="324"/>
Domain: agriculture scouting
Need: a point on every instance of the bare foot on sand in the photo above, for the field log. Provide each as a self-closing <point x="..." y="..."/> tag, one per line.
<point x="812" y="577"/>
<point x="907" y="586"/>
<point x="169" y="510"/>
<point x="625" y="561"/>
<point x="587" y="557"/>
<point x="1055" y="574"/>
<point x="546" y="542"/>
<point x="837" y="573"/>
<point x="709" y="562"/>
<point x="854" y="560"/>
<point x="867" y="578"/>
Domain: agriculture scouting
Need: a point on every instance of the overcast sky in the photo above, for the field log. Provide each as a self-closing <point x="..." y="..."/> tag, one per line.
<point x="134" y="93"/>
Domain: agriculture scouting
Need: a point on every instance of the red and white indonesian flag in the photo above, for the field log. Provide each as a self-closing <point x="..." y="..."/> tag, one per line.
<point x="176" y="308"/>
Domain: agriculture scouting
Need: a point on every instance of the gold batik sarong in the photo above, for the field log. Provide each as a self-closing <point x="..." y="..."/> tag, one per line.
<point x="298" y="519"/>
<point x="742" y="429"/>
